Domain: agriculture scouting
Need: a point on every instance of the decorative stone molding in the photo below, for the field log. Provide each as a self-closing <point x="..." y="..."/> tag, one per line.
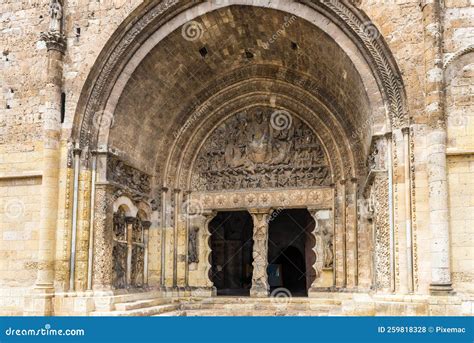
<point x="373" y="44"/>
<point x="458" y="54"/>
<point x="263" y="198"/>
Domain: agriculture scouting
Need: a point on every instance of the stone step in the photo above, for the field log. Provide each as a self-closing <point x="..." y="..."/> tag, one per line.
<point x="269" y="300"/>
<point x="133" y="305"/>
<point x="146" y="311"/>
<point x="249" y="313"/>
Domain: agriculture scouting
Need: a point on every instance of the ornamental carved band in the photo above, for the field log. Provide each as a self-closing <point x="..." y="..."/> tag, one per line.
<point x="261" y="148"/>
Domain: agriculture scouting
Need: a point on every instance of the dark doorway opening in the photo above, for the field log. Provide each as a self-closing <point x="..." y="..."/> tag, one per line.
<point x="231" y="258"/>
<point x="290" y="254"/>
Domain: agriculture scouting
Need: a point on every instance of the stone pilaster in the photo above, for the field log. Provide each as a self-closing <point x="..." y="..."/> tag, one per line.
<point x="260" y="286"/>
<point x="437" y="177"/>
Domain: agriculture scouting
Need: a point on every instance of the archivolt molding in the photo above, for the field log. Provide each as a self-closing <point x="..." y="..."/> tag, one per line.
<point x="114" y="56"/>
<point x="457" y="55"/>
<point x="381" y="60"/>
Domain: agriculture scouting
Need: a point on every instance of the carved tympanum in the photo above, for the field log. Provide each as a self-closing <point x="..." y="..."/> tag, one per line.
<point x="253" y="149"/>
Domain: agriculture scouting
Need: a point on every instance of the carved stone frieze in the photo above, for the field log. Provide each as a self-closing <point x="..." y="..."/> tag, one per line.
<point x="315" y="197"/>
<point x="123" y="175"/>
<point x="261" y="148"/>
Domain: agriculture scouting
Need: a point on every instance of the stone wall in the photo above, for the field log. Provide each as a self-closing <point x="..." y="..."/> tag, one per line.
<point x="88" y="27"/>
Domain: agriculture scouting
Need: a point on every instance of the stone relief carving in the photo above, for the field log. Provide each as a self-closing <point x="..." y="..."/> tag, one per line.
<point x="56" y="15"/>
<point x="260" y="284"/>
<point x="119" y="252"/>
<point x="377" y="157"/>
<point x="379" y="197"/>
<point x="193" y="252"/>
<point x="316" y="197"/>
<point x="249" y="150"/>
<point x="126" y="176"/>
<point x="128" y="239"/>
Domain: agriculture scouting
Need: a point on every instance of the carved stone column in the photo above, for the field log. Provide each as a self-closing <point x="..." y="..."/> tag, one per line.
<point x="260" y="286"/>
<point x="103" y="238"/>
<point x="44" y="288"/>
<point x="437" y="177"/>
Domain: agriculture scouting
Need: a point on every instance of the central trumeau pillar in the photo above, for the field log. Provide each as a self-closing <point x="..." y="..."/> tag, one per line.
<point x="260" y="286"/>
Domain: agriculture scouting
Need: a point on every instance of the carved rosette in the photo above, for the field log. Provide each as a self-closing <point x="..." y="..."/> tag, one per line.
<point x="260" y="286"/>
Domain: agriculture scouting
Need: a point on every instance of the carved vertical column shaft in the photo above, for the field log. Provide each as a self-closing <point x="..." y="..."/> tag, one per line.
<point x="50" y="172"/>
<point x="164" y="190"/>
<point x="177" y="197"/>
<point x="437" y="176"/>
<point x="409" y="236"/>
<point x="344" y="232"/>
<point x="260" y="286"/>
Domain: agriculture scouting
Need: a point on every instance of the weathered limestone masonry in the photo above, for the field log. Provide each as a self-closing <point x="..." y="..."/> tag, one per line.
<point x="128" y="126"/>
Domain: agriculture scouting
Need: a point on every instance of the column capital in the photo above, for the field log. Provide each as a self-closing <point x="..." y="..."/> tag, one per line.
<point x="266" y="210"/>
<point x="54" y="41"/>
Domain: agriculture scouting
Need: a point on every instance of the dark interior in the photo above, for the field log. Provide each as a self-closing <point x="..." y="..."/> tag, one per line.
<point x="231" y="242"/>
<point x="290" y="251"/>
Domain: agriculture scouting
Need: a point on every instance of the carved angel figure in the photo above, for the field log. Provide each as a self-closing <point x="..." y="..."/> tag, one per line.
<point x="56" y="14"/>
